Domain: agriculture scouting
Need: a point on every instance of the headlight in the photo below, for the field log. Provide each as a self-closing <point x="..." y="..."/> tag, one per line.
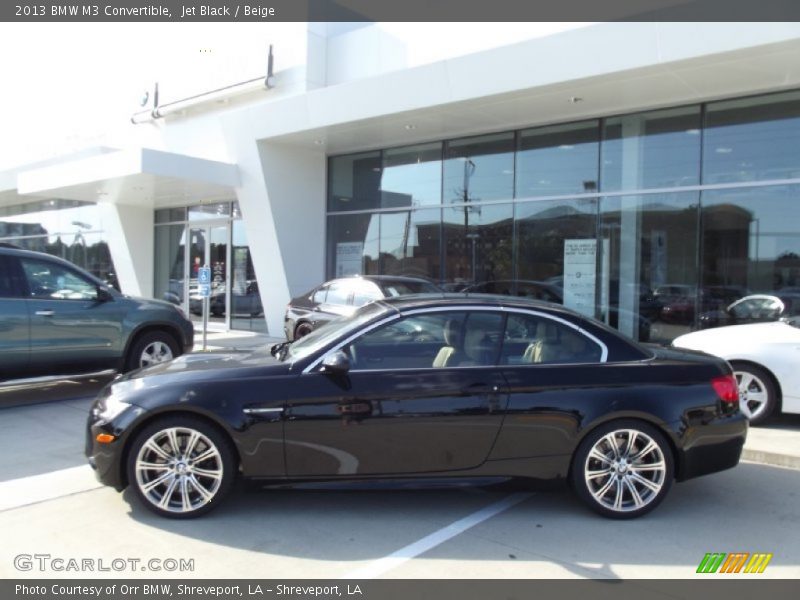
<point x="112" y="408"/>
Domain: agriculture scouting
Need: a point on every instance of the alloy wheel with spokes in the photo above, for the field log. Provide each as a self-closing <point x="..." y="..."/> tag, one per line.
<point x="180" y="467"/>
<point x="155" y="352"/>
<point x="757" y="396"/>
<point x="623" y="470"/>
<point x="151" y="348"/>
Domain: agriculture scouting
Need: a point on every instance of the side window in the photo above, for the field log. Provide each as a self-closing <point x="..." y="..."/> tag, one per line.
<point x="338" y="293"/>
<point x="10" y="284"/>
<point x="52" y="281"/>
<point x="530" y="339"/>
<point x="437" y="340"/>
<point x="319" y="295"/>
<point x="366" y="292"/>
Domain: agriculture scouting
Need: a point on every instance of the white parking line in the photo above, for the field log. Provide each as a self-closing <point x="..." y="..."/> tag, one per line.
<point x="382" y="565"/>
<point x="15" y="493"/>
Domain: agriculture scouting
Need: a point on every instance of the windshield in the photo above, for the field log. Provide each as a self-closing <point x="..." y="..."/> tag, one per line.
<point x="404" y="287"/>
<point x="319" y="338"/>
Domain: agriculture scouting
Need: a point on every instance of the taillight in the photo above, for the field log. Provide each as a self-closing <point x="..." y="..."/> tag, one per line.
<point x="726" y="388"/>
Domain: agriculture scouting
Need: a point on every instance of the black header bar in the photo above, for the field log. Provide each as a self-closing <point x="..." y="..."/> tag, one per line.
<point x="399" y="10"/>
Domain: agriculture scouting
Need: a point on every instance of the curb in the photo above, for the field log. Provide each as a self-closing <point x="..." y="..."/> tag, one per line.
<point x="771" y="458"/>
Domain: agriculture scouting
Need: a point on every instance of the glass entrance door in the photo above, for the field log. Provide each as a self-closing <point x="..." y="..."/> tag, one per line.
<point x="209" y="244"/>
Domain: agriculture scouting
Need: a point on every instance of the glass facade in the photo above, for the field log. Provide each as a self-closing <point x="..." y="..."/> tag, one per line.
<point x="655" y="222"/>
<point x="68" y="229"/>
<point x="210" y="234"/>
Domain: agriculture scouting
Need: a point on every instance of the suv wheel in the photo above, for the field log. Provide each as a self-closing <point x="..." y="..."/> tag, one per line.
<point x="150" y="349"/>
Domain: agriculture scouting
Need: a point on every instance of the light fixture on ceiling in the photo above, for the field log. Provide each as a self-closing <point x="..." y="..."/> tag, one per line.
<point x="566" y="147"/>
<point x="723" y="150"/>
<point x="575" y="99"/>
<point x="409" y="126"/>
<point x="319" y="142"/>
<point x="693" y="131"/>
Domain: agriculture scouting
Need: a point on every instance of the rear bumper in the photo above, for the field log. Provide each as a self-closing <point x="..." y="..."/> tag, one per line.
<point x="715" y="446"/>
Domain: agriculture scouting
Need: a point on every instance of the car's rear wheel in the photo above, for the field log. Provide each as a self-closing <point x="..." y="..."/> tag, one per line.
<point x="623" y="469"/>
<point x="181" y="467"/>
<point x="757" y="395"/>
<point x="151" y="348"/>
<point x="302" y="330"/>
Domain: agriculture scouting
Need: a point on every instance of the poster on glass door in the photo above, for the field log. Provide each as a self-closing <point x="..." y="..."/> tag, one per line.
<point x="348" y="258"/>
<point x="580" y="275"/>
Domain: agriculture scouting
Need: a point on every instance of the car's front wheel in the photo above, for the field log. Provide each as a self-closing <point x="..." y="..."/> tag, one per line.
<point x="302" y="330"/>
<point x="757" y="395"/>
<point x="181" y="467"/>
<point x="623" y="469"/>
<point x="150" y="349"/>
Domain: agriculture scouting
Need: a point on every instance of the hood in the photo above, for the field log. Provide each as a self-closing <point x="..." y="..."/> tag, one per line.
<point x="151" y="302"/>
<point x="206" y="365"/>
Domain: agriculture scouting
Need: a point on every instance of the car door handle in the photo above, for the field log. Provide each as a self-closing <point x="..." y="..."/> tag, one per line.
<point x="45" y="313"/>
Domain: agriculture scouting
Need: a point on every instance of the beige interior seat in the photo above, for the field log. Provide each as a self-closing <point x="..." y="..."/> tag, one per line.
<point x="450" y="354"/>
<point x="546" y="346"/>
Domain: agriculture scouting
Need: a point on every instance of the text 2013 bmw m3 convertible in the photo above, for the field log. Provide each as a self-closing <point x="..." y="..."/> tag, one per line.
<point x="422" y="387"/>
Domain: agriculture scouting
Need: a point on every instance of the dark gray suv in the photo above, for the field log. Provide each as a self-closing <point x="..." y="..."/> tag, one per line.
<point x="56" y="318"/>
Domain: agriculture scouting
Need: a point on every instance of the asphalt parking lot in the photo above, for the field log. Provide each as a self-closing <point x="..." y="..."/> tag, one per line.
<point x="50" y="504"/>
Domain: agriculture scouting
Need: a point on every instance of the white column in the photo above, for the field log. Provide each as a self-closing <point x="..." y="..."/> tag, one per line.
<point x="282" y="199"/>
<point x="129" y="231"/>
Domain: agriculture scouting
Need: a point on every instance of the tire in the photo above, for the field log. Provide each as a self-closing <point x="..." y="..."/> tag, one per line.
<point x="176" y="485"/>
<point x="302" y="330"/>
<point x="758" y="398"/>
<point x="602" y="474"/>
<point x="151" y="348"/>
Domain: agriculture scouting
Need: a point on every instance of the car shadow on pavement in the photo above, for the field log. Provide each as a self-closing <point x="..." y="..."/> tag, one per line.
<point x="790" y="422"/>
<point x="710" y="514"/>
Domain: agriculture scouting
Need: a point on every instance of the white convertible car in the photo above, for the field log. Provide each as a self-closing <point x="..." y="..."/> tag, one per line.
<point x="765" y="358"/>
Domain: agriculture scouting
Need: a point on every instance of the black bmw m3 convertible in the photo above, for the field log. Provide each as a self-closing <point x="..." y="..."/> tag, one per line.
<point x="423" y="387"/>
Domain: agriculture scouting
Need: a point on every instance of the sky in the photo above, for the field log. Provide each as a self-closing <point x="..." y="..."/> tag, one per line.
<point x="72" y="86"/>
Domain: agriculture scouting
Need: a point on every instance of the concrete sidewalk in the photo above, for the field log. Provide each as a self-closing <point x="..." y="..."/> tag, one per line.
<point x="775" y="443"/>
<point x="234" y="340"/>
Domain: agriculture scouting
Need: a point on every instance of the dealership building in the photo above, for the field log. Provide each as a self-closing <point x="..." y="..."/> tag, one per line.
<point x="643" y="173"/>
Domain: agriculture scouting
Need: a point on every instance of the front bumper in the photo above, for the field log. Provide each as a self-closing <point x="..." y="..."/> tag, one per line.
<point x="712" y="447"/>
<point x="107" y="459"/>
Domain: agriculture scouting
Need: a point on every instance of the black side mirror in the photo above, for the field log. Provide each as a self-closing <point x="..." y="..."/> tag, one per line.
<point x="336" y="363"/>
<point x="103" y="295"/>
